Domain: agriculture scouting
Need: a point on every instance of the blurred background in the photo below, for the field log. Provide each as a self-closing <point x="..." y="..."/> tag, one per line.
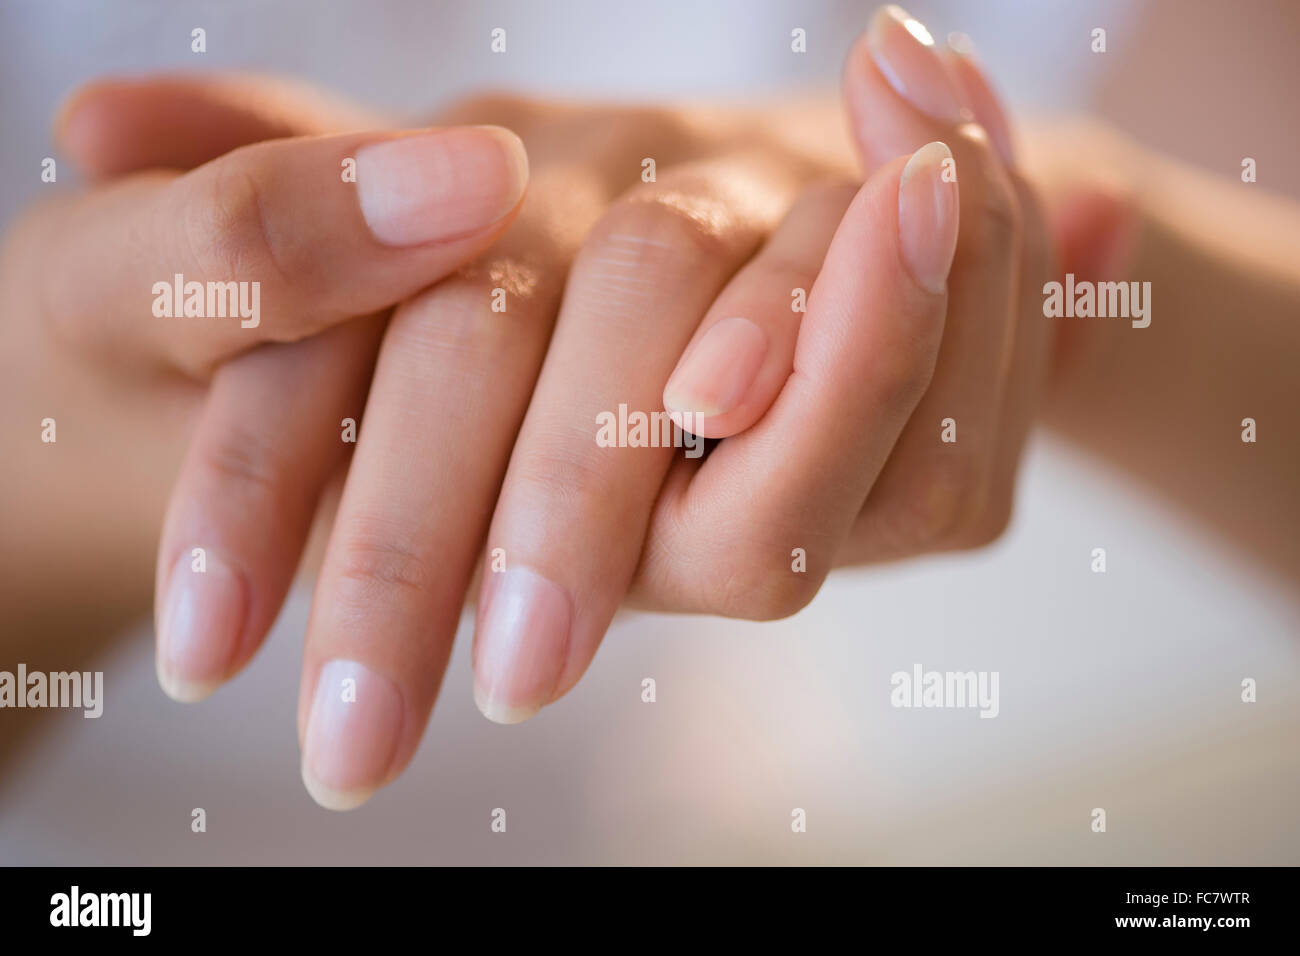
<point x="1119" y="691"/>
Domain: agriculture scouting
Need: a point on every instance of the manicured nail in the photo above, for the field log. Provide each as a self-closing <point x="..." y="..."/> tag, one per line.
<point x="351" y="734"/>
<point x="979" y="94"/>
<point x="716" y="372"/>
<point x="927" y="216"/>
<point x="520" y="645"/>
<point x="440" y="185"/>
<point x="904" y="53"/>
<point x="199" y="628"/>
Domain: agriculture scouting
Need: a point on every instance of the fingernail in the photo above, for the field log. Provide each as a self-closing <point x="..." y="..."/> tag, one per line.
<point x="927" y="216"/>
<point x="351" y="734"/>
<point x="715" y="374"/>
<point x="199" y="628"/>
<point x="441" y="184"/>
<point x="979" y="93"/>
<point x="904" y="53"/>
<point x="521" y="644"/>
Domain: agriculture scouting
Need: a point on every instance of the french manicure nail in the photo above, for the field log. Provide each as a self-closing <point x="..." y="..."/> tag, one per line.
<point x="520" y="645"/>
<point x="440" y="185"/>
<point x="351" y="734"/>
<point x="199" y="628"/>
<point x="928" y="216"/>
<point x="717" y="371"/>
<point x="904" y="53"/>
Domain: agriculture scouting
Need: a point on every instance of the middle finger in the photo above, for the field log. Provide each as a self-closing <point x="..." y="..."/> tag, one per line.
<point x="572" y="514"/>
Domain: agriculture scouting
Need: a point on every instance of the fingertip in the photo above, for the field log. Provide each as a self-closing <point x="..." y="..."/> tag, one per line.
<point x="499" y="711"/>
<point x="77" y="129"/>
<point x="64" y="111"/>
<point x="440" y="184"/>
<point x="928" y="216"/>
<point x="180" y="690"/>
<point x="522" y="644"/>
<point x="516" y="156"/>
<point x="352" y="735"/>
<point x="960" y="57"/>
<point x="199" y="625"/>
<point x="716" y="377"/>
<point x="330" y="798"/>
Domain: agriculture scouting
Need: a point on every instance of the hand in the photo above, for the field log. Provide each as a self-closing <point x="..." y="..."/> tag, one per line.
<point x="848" y="465"/>
<point x="121" y="387"/>
<point x="400" y="560"/>
<point x="862" y="376"/>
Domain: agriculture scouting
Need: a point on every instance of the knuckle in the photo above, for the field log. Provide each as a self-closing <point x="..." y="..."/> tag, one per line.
<point x="937" y="510"/>
<point x="754" y="577"/>
<point x="661" y="233"/>
<point x="693" y="564"/>
<point x="992" y="218"/>
<point x="989" y="525"/>
<point x="455" y="320"/>
<point x="902" y="375"/>
<point x="493" y="107"/>
<point x="228" y="232"/>
<point x="245" y="463"/>
<point x="563" y="475"/>
<point x="765" y="593"/>
<point x="376" y="564"/>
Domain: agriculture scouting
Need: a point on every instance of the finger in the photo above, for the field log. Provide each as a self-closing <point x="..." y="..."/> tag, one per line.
<point x="754" y="530"/>
<point x="274" y="226"/>
<point x="1026" y="375"/>
<point x="576" y="500"/>
<point x="740" y="356"/>
<point x="270" y="437"/>
<point x="896" y="58"/>
<point x="119" y="125"/>
<point x="960" y="59"/>
<point x="1033" y="338"/>
<point x="938" y="482"/>
<point x="268" y="440"/>
<point x="450" y="389"/>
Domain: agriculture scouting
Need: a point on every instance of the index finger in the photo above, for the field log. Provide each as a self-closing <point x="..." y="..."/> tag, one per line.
<point x="275" y="241"/>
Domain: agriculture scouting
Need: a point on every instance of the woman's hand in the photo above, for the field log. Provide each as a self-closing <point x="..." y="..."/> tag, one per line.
<point x="453" y="381"/>
<point x="848" y="464"/>
<point x="852" y="462"/>
<point x="101" y="391"/>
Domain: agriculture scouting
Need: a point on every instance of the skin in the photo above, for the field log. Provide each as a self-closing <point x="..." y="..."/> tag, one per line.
<point x="878" y="360"/>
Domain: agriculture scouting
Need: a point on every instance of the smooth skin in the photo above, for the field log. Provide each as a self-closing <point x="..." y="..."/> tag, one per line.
<point x="725" y="236"/>
<point x="868" y="481"/>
